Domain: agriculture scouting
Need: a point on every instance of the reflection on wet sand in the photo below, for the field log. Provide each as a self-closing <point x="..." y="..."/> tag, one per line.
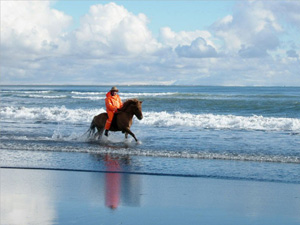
<point x="25" y="202"/>
<point x="120" y="187"/>
<point x="112" y="183"/>
<point x="33" y="196"/>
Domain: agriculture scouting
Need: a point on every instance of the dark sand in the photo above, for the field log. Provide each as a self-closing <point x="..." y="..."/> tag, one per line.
<point x="45" y="197"/>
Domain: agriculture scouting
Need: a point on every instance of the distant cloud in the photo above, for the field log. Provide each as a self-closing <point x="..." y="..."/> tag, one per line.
<point x="170" y="38"/>
<point x="252" y="52"/>
<point x="197" y="49"/>
<point x="252" y="28"/>
<point x="292" y="54"/>
<point x="288" y="10"/>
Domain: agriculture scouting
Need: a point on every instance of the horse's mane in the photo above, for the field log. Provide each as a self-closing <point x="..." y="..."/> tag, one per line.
<point x="127" y="103"/>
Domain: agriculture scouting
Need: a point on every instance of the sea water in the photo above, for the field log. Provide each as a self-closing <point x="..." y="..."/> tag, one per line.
<point x="249" y="133"/>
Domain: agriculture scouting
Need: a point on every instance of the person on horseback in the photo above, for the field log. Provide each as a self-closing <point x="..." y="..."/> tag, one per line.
<point x="113" y="103"/>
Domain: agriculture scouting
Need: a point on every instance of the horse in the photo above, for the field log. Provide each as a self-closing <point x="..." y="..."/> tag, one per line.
<point x="122" y="120"/>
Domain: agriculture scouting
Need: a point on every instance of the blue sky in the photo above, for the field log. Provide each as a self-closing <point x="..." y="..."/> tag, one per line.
<point x="238" y="43"/>
<point x="178" y="15"/>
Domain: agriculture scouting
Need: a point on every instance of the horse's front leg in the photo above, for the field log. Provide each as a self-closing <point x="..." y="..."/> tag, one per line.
<point x="128" y="131"/>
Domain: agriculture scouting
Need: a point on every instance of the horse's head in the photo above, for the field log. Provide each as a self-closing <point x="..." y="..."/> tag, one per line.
<point x="138" y="110"/>
<point x="133" y="106"/>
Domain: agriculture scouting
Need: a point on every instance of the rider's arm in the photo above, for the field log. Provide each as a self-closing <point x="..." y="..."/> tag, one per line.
<point x="110" y="106"/>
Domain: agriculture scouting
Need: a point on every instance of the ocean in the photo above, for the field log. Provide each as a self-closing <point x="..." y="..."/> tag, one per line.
<point x="240" y="133"/>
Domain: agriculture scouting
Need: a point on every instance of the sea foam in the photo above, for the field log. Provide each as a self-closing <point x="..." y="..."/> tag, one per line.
<point x="160" y="119"/>
<point x="51" y="114"/>
<point x="211" y="121"/>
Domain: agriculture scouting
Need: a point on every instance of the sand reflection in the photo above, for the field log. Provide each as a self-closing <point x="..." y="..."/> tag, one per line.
<point x="24" y="201"/>
<point x="120" y="187"/>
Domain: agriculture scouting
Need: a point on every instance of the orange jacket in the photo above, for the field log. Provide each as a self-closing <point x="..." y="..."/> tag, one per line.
<point x="113" y="102"/>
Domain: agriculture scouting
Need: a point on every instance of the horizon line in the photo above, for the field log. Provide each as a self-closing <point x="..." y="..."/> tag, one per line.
<point x="184" y="85"/>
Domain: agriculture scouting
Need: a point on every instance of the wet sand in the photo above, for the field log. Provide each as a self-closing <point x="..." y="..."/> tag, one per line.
<point x="70" y="197"/>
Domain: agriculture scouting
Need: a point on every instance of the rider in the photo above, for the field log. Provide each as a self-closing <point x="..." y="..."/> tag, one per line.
<point x="113" y="103"/>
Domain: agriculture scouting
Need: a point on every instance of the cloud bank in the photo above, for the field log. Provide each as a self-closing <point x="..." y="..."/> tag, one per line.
<point x="255" y="45"/>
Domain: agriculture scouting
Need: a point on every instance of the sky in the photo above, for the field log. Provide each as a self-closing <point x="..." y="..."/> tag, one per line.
<point x="227" y="43"/>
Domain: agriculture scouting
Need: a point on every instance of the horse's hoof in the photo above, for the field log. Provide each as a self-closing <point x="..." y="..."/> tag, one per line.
<point x="139" y="142"/>
<point x="104" y="139"/>
<point x="127" y="141"/>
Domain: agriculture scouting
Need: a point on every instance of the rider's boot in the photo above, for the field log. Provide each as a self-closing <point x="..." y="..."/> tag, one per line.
<point x="106" y="133"/>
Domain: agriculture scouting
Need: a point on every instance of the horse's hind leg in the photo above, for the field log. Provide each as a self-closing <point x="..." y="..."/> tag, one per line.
<point x="99" y="133"/>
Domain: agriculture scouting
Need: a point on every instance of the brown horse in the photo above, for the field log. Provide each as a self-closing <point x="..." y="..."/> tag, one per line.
<point x="122" y="120"/>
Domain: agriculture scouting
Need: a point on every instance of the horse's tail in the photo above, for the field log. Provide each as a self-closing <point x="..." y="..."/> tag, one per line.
<point x="96" y="127"/>
<point x="91" y="130"/>
<point x="92" y="127"/>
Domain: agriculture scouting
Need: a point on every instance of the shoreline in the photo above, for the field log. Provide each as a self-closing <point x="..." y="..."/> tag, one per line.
<point x="31" y="196"/>
<point x="152" y="174"/>
<point x="181" y="167"/>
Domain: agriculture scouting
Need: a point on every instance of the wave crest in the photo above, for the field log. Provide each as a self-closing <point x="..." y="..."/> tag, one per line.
<point x="211" y="121"/>
<point x="52" y="114"/>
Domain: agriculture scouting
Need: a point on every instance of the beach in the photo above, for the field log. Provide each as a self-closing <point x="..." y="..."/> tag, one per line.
<point x="34" y="196"/>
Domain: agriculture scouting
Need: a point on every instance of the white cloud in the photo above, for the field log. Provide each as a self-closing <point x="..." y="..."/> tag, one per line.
<point x="112" y="29"/>
<point x="173" y="39"/>
<point x="189" y="44"/>
<point x="252" y="30"/>
<point x="31" y="26"/>
<point x="287" y="10"/>
<point x="30" y="31"/>
<point x="198" y="49"/>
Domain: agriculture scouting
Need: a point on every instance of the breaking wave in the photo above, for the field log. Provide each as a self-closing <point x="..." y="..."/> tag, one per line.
<point x="51" y="114"/>
<point x="211" y="121"/>
<point x="200" y="121"/>
<point x="88" y="93"/>
<point x="45" y="96"/>
<point x="148" y="94"/>
<point x="94" y="98"/>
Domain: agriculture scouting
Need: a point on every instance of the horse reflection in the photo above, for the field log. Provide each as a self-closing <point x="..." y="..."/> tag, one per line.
<point x="120" y="187"/>
<point x="112" y="183"/>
